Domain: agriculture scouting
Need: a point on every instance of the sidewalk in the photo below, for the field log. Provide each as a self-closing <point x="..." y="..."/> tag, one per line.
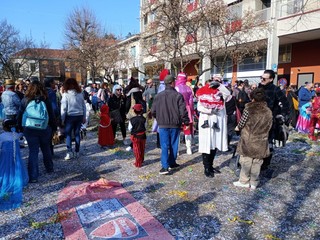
<point x="189" y="205"/>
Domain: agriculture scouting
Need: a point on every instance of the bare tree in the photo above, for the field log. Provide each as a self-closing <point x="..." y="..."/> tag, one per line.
<point x="10" y="44"/>
<point x="84" y="36"/>
<point x="179" y="35"/>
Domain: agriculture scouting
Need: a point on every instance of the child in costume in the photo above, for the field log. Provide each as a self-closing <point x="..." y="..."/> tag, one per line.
<point x="105" y="136"/>
<point x="303" y="123"/>
<point x="209" y="96"/>
<point x="137" y="126"/>
<point x="13" y="173"/>
<point x="186" y="91"/>
<point x="314" y="133"/>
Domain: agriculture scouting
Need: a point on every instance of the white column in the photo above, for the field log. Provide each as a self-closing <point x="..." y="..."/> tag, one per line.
<point x="273" y="40"/>
<point x="206" y="64"/>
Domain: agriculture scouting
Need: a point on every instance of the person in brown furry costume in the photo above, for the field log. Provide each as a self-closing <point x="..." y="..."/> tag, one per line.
<point x="253" y="146"/>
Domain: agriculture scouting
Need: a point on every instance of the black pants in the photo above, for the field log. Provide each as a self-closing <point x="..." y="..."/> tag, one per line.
<point x="122" y="127"/>
<point x="207" y="159"/>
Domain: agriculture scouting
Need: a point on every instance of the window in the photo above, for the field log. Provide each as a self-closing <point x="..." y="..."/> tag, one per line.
<point x="235" y="10"/>
<point x="133" y="51"/>
<point x="227" y="66"/>
<point x="32" y="67"/>
<point x="152" y="16"/>
<point x="154" y="41"/>
<point x="285" y="53"/>
<point x="145" y="19"/>
<point x="253" y="64"/>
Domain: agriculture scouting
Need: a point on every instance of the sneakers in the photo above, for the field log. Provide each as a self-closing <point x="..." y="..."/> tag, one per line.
<point x="164" y="171"/>
<point x="176" y="165"/>
<point x="189" y="151"/>
<point x="76" y="155"/>
<point x="68" y="156"/>
<point x="239" y="184"/>
<point x="128" y="149"/>
<point x="252" y="187"/>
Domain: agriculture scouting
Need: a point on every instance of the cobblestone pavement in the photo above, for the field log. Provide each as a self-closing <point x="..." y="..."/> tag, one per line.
<point x="189" y="205"/>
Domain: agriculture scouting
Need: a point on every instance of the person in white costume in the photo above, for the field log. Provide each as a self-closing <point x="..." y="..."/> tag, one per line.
<point x="212" y="122"/>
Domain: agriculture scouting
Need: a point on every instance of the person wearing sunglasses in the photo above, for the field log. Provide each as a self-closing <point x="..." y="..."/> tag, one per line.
<point x="277" y="102"/>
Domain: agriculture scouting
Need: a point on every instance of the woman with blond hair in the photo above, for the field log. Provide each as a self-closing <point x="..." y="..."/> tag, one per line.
<point x="73" y="114"/>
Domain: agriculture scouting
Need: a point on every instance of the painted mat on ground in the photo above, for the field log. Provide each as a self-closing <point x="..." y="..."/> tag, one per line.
<point x="105" y="210"/>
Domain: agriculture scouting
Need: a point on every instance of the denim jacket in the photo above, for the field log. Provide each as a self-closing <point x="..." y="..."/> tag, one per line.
<point x="11" y="102"/>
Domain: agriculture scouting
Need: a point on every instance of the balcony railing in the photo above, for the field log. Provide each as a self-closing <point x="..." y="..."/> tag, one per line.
<point x="263" y="15"/>
<point x="298" y="6"/>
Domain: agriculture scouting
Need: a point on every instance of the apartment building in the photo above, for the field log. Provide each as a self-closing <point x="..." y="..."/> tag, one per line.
<point x="292" y="37"/>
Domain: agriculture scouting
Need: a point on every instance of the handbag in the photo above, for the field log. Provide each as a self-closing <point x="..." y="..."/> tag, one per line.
<point x="295" y="103"/>
<point x="116" y="116"/>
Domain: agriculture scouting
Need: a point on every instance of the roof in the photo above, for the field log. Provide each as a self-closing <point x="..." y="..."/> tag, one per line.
<point x="43" y="53"/>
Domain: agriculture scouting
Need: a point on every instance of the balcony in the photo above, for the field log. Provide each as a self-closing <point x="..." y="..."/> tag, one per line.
<point x="298" y="7"/>
<point x="263" y="15"/>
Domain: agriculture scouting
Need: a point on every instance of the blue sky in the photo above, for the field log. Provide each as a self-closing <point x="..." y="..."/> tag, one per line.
<point x="44" y="20"/>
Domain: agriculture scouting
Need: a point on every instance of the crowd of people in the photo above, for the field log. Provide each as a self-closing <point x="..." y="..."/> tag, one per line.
<point x="260" y="113"/>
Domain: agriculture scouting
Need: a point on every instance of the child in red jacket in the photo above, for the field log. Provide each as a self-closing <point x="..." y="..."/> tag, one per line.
<point x="137" y="126"/>
<point x="105" y="137"/>
<point x="314" y="133"/>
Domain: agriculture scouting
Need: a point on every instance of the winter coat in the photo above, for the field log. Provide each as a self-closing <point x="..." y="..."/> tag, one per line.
<point x="105" y="136"/>
<point x="186" y="92"/>
<point x="254" y="136"/>
<point x="304" y="96"/>
<point x="210" y="138"/>
<point x="169" y="109"/>
<point x="11" y="102"/>
<point x="276" y="100"/>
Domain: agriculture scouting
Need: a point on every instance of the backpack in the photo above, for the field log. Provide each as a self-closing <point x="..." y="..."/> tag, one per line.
<point x="295" y="103"/>
<point x="35" y="115"/>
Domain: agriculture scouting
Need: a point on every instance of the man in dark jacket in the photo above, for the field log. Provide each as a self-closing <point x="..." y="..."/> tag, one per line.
<point x="278" y="104"/>
<point x="170" y="111"/>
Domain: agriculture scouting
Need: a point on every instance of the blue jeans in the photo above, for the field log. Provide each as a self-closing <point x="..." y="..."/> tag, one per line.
<point x="38" y="139"/>
<point x="73" y="124"/>
<point x="169" y="141"/>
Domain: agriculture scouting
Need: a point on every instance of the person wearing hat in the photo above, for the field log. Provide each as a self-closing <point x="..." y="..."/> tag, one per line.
<point x="314" y="133"/>
<point x="165" y="72"/>
<point x="105" y="133"/>
<point x="181" y="87"/>
<point x="10" y="100"/>
<point x="170" y="111"/>
<point x="137" y="126"/>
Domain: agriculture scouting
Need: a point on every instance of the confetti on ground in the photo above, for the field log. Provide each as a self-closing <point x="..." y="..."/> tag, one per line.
<point x="181" y="194"/>
<point x="237" y="219"/>
<point x="146" y="177"/>
<point x="271" y="237"/>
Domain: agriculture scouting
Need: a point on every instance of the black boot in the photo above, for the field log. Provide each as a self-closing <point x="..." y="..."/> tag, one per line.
<point x="205" y="124"/>
<point x="208" y="172"/>
<point x="207" y="163"/>
<point x="215" y="126"/>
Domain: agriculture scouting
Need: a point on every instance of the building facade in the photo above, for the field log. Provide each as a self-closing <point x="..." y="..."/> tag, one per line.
<point x="292" y="49"/>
